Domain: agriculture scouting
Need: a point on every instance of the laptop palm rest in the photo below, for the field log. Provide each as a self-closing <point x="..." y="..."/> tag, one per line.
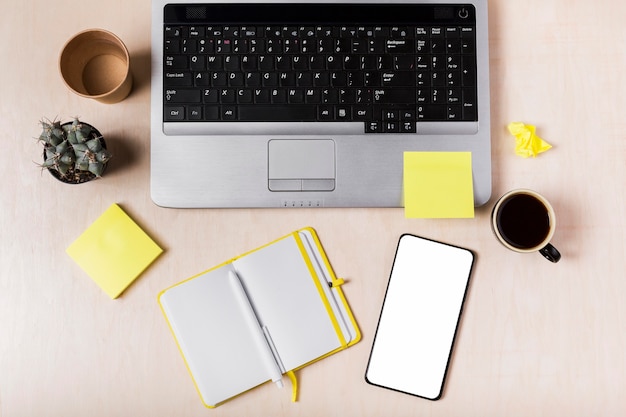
<point x="301" y="165"/>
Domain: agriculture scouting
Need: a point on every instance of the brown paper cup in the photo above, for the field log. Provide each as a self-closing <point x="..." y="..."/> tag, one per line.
<point x="95" y="64"/>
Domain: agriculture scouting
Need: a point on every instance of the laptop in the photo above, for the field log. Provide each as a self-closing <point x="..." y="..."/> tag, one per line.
<point x="313" y="104"/>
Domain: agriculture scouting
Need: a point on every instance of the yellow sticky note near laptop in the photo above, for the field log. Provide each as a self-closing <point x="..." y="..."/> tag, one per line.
<point x="114" y="251"/>
<point x="438" y="185"/>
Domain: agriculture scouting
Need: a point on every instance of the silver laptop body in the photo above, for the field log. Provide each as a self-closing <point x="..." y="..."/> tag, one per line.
<point x="202" y="164"/>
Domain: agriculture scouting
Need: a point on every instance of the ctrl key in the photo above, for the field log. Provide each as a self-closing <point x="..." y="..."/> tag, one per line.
<point x="174" y="113"/>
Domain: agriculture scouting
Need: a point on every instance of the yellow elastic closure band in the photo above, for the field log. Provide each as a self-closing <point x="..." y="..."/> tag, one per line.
<point x="320" y="289"/>
<point x="294" y="386"/>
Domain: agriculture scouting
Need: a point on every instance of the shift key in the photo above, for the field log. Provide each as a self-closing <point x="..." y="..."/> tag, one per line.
<point x="180" y="95"/>
<point x="394" y="95"/>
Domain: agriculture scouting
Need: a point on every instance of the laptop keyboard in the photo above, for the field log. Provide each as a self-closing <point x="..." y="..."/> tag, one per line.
<point x="387" y="67"/>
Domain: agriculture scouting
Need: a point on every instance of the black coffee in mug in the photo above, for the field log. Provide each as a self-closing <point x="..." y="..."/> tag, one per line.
<point x="523" y="221"/>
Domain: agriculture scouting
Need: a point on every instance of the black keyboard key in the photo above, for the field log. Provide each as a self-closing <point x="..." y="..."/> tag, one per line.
<point x="469" y="104"/>
<point x="351" y="62"/>
<point x="249" y="63"/>
<point x="394" y="96"/>
<point x="321" y="79"/>
<point x="269" y="79"/>
<point x="453" y="46"/>
<point x="182" y="96"/>
<point x="261" y="96"/>
<point x="227" y="95"/>
<point x="176" y="62"/>
<point x="317" y="62"/>
<point x="454" y="95"/>
<point x="194" y="113"/>
<point x="391" y="127"/>
<point x="228" y="113"/>
<point x="219" y="79"/>
<point x="177" y="79"/>
<point x="407" y="114"/>
<point x="232" y="63"/>
<point x="398" y="79"/>
<point x="198" y="63"/>
<point x="215" y="63"/>
<point x="277" y="113"/>
<point x="454" y="113"/>
<point x="189" y="46"/>
<point x="201" y="79"/>
<point x="384" y="62"/>
<point x="172" y="46"/>
<point x="236" y="79"/>
<point x="172" y="31"/>
<point x="404" y="62"/>
<point x="361" y="113"/>
<point x="432" y="113"/>
<point x="279" y="96"/>
<point x="468" y="71"/>
<point x="343" y="113"/>
<point x="210" y="95"/>
<point x="295" y="96"/>
<point x="248" y="31"/>
<point x="374" y="126"/>
<point x="325" y="113"/>
<point x="174" y="113"/>
<point x="407" y="127"/>
<point x="253" y="79"/>
<point x="244" y="96"/>
<point x="391" y="115"/>
<point x="469" y="112"/>
<point x="400" y="46"/>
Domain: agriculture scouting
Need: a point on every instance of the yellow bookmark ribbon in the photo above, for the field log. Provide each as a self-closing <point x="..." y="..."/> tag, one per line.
<point x="294" y="386"/>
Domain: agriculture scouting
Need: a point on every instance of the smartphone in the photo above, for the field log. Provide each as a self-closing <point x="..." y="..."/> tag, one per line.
<point x="419" y="317"/>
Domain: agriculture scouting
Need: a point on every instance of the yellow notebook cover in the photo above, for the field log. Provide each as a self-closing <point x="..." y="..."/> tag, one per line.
<point x="114" y="251"/>
<point x="297" y="301"/>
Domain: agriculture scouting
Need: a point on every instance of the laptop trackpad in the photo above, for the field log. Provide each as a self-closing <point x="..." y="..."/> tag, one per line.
<point x="301" y="165"/>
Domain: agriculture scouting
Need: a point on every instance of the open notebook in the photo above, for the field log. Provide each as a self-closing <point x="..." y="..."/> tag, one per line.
<point x="298" y="307"/>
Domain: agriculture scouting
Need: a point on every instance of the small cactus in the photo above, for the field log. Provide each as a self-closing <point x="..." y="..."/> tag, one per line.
<point x="73" y="149"/>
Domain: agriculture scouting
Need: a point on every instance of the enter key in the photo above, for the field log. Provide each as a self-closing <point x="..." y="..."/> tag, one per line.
<point x="398" y="79"/>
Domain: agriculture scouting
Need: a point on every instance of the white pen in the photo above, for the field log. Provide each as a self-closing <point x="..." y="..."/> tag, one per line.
<point x="259" y="336"/>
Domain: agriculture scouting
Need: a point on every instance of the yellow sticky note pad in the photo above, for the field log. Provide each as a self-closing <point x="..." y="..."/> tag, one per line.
<point x="438" y="185"/>
<point x="114" y="251"/>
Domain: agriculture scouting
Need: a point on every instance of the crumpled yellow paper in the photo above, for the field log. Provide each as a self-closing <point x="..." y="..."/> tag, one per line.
<point x="527" y="143"/>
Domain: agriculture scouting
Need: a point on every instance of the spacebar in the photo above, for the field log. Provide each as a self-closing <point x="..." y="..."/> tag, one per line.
<point x="276" y="113"/>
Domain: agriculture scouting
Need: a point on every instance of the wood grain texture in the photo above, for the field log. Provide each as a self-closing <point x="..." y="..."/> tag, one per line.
<point x="535" y="338"/>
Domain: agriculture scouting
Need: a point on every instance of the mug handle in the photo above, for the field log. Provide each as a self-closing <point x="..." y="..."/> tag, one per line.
<point x="550" y="253"/>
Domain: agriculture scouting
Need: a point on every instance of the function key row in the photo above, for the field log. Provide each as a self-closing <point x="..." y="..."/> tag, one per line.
<point x="303" y="32"/>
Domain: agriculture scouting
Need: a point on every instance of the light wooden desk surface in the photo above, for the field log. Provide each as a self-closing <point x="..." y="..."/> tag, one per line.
<point x="535" y="338"/>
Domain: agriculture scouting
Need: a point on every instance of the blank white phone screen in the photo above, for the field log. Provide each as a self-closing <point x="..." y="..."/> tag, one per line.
<point x="419" y="317"/>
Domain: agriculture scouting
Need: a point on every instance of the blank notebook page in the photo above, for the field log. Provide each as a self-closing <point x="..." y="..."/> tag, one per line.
<point x="210" y="328"/>
<point x="287" y="301"/>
